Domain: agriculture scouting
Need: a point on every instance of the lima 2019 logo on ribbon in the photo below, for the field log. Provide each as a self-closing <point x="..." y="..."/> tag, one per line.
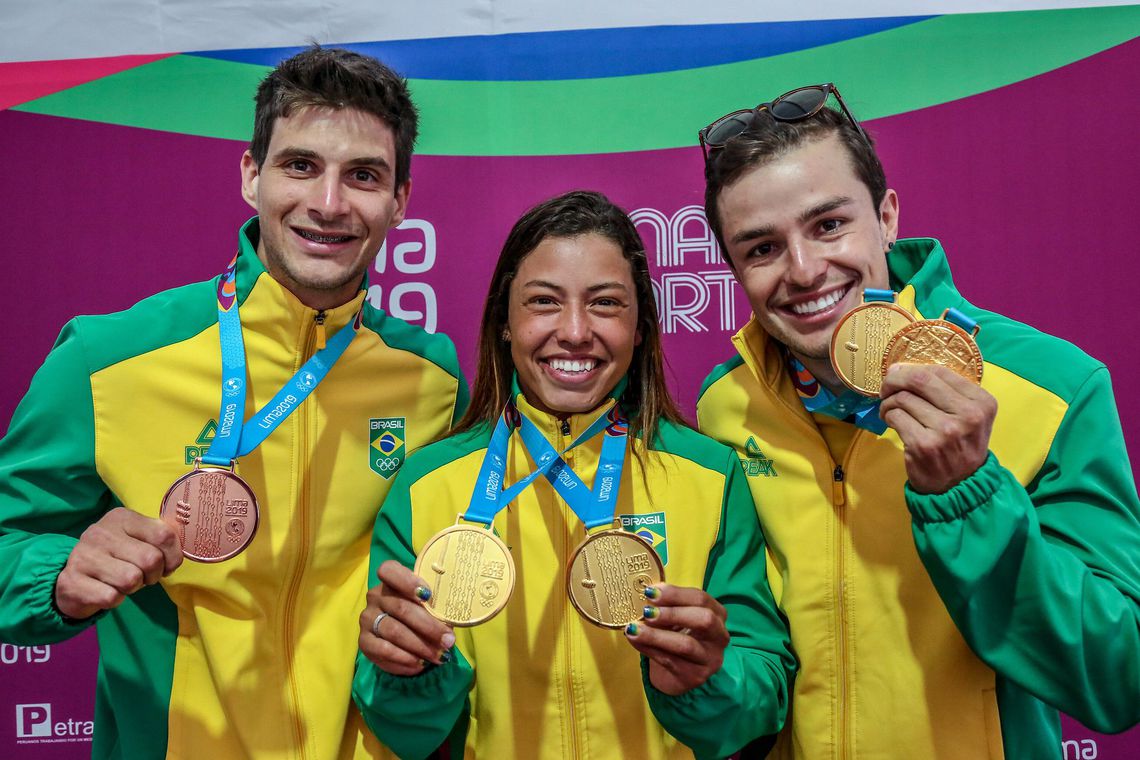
<point x="651" y="527"/>
<point x="386" y="436"/>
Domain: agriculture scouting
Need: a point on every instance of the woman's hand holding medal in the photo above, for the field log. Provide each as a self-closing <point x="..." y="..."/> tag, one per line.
<point x="120" y="554"/>
<point x="397" y="632"/>
<point x="684" y="636"/>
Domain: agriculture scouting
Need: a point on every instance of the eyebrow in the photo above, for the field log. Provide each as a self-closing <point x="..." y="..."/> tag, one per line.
<point x="827" y="206"/>
<point x="592" y="289"/>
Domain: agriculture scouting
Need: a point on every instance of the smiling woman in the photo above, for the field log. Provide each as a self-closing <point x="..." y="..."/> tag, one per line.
<point x="505" y="638"/>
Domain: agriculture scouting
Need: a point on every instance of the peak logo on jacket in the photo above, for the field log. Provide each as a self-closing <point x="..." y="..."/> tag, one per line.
<point x="755" y="463"/>
<point x="202" y="443"/>
<point x="386" y="452"/>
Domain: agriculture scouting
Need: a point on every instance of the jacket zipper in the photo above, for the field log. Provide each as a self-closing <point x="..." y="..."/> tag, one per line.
<point x="312" y="342"/>
<point x="840" y="502"/>
<point x="568" y="626"/>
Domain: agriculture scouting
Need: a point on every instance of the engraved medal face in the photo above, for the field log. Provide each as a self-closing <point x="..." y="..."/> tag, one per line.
<point x="470" y="573"/>
<point x="936" y="341"/>
<point x="860" y="342"/>
<point x="608" y="575"/>
<point x="214" y="513"/>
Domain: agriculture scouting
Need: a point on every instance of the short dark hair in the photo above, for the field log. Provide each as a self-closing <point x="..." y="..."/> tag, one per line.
<point x="767" y="139"/>
<point x="336" y="78"/>
<point x="580" y="212"/>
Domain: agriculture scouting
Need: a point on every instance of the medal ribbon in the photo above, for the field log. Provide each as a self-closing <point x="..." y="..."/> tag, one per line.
<point x="875" y="294"/>
<point x="594" y="508"/>
<point x="233" y="438"/>
<point x="958" y="318"/>
<point x="489" y="496"/>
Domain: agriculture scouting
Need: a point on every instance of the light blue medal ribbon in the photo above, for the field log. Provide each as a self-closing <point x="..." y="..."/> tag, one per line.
<point x="593" y="507"/>
<point x="955" y="317"/>
<point x="234" y="438"/>
<point x="489" y="496"/>
<point x="875" y="294"/>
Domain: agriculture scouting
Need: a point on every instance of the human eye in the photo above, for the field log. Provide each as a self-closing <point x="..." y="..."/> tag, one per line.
<point x="299" y="166"/>
<point x="609" y="303"/>
<point x="365" y="176"/>
<point x="542" y="301"/>
<point x="830" y="225"/>
<point x="765" y="249"/>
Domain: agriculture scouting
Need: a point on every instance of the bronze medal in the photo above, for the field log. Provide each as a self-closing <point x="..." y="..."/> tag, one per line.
<point x="470" y="573"/>
<point x="860" y="342"/>
<point x="608" y="574"/>
<point x="213" y="511"/>
<point x="936" y="341"/>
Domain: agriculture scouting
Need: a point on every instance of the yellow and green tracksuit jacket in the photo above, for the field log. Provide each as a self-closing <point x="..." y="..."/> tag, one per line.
<point x="251" y="657"/>
<point x="953" y="625"/>
<point x="538" y="681"/>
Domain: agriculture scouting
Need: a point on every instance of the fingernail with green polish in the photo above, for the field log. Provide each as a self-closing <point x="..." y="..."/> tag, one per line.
<point x="650" y="612"/>
<point x="652" y="592"/>
<point x="632" y="629"/>
<point x="423" y="593"/>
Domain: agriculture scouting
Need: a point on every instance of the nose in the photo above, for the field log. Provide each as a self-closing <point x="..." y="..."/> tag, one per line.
<point x="573" y="325"/>
<point x="806" y="267"/>
<point x="327" y="200"/>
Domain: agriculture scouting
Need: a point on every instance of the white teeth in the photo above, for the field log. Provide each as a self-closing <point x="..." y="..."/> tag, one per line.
<point x="573" y="365"/>
<point x="811" y="307"/>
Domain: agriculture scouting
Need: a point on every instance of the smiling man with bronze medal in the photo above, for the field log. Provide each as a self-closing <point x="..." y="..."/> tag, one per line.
<point x="574" y="459"/>
<point x="251" y="402"/>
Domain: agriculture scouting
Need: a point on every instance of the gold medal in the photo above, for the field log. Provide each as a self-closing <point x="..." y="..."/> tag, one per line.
<point x="937" y="341"/>
<point x="607" y="577"/>
<point x="213" y="511"/>
<point x="470" y="573"/>
<point x="860" y="342"/>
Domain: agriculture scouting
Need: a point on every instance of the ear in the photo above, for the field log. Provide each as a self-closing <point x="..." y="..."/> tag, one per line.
<point x="889" y="216"/>
<point x="249" y="176"/>
<point x="402" y="193"/>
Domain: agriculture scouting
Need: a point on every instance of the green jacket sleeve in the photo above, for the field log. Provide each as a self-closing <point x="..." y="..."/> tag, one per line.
<point x="49" y="493"/>
<point x="411" y="715"/>
<point x="1044" y="582"/>
<point x="748" y="697"/>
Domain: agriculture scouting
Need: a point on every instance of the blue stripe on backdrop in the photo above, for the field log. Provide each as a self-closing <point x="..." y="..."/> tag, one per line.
<point x="589" y="53"/>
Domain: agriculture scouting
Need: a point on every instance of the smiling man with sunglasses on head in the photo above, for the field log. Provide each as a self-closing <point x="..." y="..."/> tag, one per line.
<point x="957" y="561"/>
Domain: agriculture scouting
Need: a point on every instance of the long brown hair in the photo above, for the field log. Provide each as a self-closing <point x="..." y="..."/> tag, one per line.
<point x="581" y="212"/>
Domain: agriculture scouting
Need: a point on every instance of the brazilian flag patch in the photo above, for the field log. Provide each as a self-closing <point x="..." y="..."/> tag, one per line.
<point x="651" y="527"/>
<point x="386" y="452"/>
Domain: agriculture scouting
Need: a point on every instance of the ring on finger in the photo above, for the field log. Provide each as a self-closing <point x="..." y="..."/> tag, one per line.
<point x="376" y="624"/>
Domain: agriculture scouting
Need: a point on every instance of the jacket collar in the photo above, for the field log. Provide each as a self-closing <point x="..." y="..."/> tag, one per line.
<point x="551" y="425"/>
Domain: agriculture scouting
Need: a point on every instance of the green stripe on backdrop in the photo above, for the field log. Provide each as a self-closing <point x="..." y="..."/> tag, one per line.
<point x="882" y="74"/>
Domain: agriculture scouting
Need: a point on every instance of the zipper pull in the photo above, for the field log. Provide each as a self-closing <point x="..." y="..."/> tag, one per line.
<point x="320" y="320"/>
<point x="837" y="492"/>
<point x="565" y="427"/>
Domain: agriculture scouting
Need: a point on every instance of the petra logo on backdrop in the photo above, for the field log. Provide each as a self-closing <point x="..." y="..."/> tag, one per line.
<point x="413" y="251"/>
<point x="688" y="301"/>
<point x="34" y="725"/>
